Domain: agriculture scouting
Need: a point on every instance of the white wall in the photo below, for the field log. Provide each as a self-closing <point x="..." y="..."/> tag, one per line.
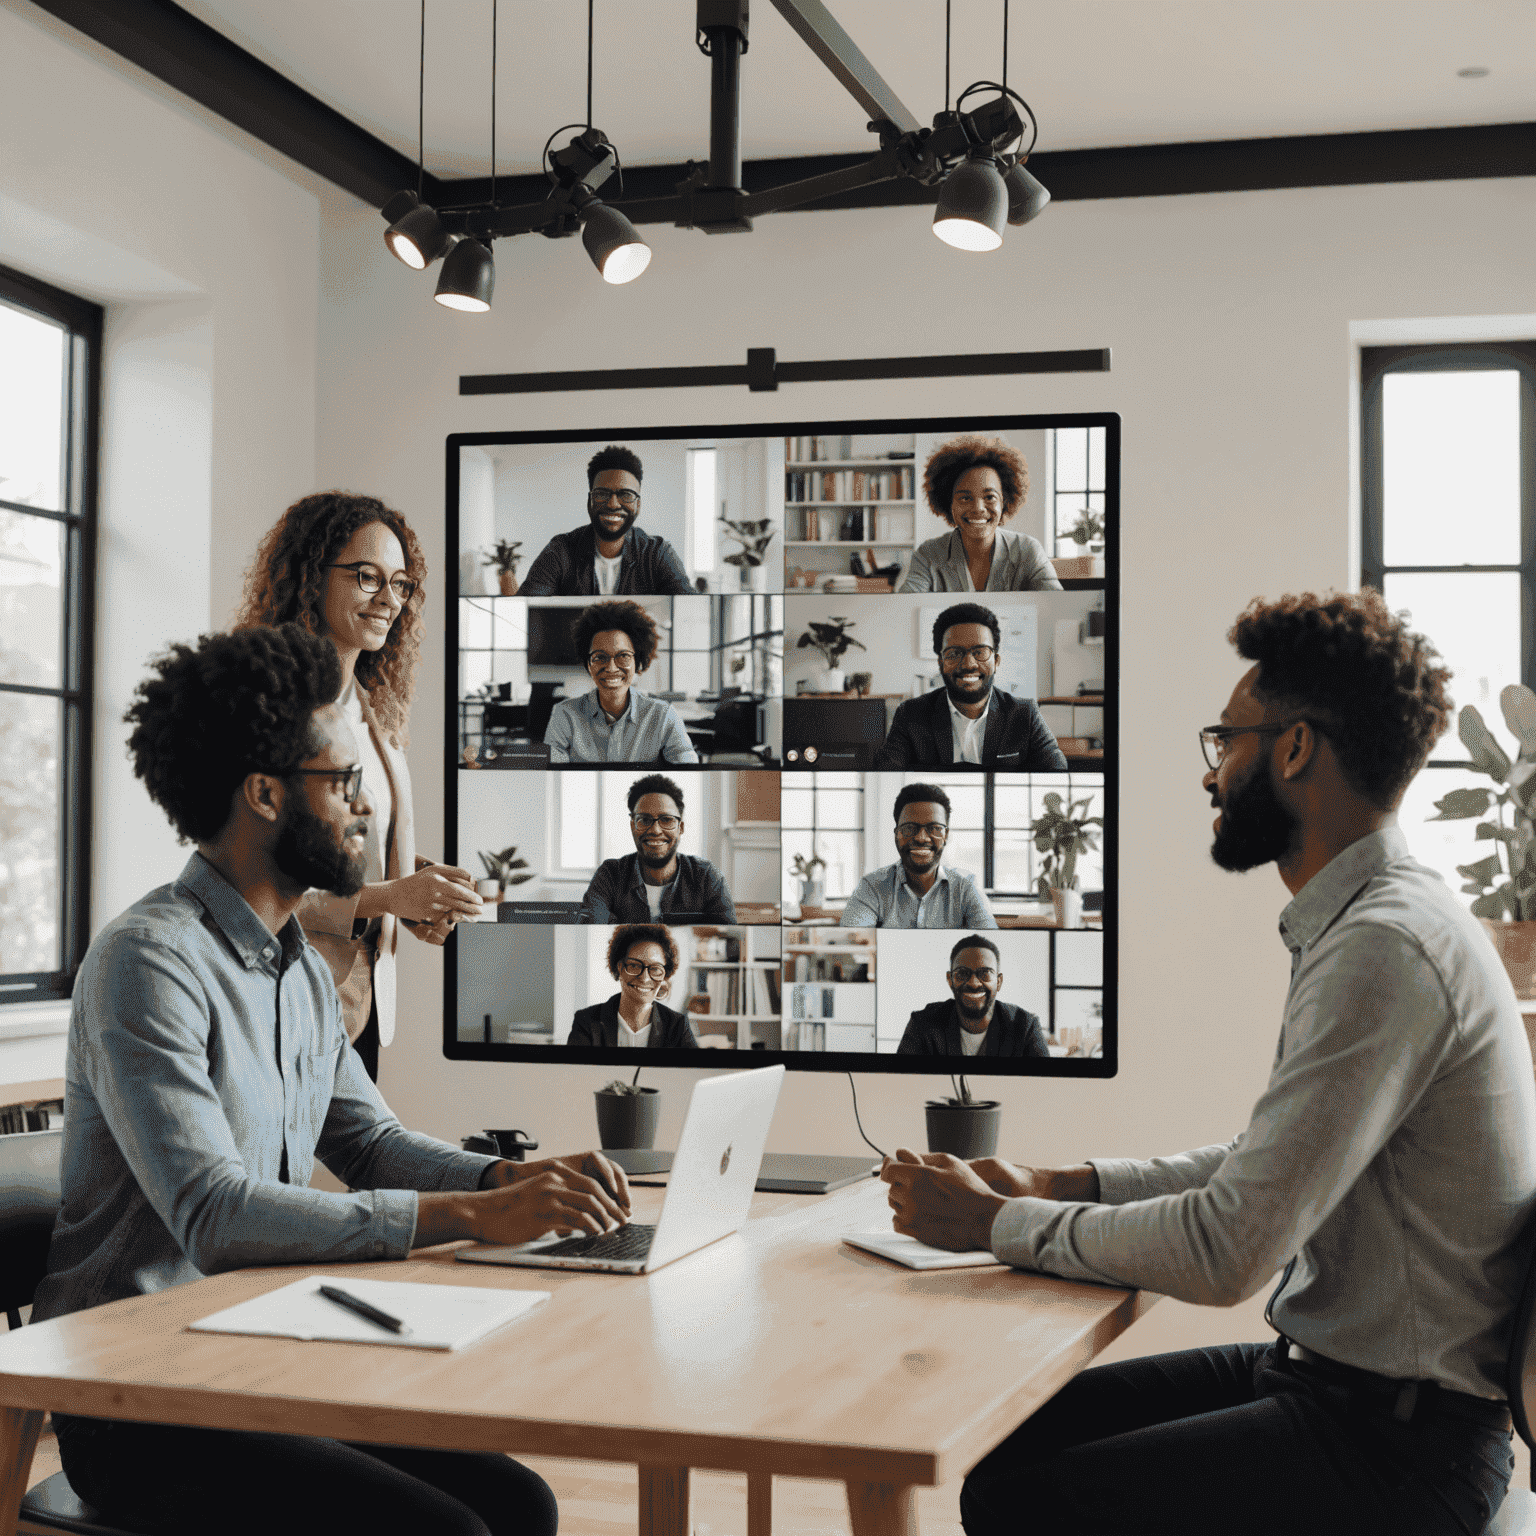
<point x="205" y="257"/>
<point x="1230" y="319"/>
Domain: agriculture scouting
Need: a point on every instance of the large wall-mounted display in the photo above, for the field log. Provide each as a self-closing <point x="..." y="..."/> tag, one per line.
<point x="791" y="742"/>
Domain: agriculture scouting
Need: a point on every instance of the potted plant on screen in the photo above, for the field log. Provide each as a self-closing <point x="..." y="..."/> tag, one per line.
<point x="833" y="641"/>
<point x="963" y="1125"/>
<point x="813" y="887"/>
<point x="1088" y="534"/>
<point x="754" y="536"/>
<point x="504" y="556"/>
<point x="1062" y="833"/>
<point x="627" y="1115"/>
<point x="502" y="870"/>
<point x="861" y="682"/>
<point x="1503" y="884"/>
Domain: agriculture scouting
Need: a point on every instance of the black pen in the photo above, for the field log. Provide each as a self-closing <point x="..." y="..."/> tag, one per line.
<point x="353" y="1304"/>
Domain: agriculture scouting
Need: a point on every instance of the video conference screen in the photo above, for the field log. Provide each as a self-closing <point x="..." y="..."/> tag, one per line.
<point x="790" y="742"/>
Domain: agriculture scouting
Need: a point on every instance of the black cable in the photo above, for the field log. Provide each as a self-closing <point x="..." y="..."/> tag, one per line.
<point x="1005" y="47"/>
<point x="867" y="1142"/>
<point x="636" y="1078"/>
<point x="992" y="85"/>
<point x="421" y="107"/>
<point x="947" y="4"/>
<point x="590" y="4"/>
<point x="493" y="103"/>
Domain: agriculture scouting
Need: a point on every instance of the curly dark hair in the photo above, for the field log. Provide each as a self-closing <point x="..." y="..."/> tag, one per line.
<point x="626" y="937"/>
<point x="614" y="457"/>
<point x="655" y="784"/>
<point x="950" y="460"/>
<point x="286" y="583"/>
<point x="911" y="793"/>
<point x="629" y="617"/>
<point x="966" y="613"/>
<point x="234" y="705"/>
<point x="1351" y="666"/>
<point x="974" y="941"/>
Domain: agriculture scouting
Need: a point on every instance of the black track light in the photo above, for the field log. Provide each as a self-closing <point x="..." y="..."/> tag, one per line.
<point x="973" y="206"/>
<point x="1026" y="197"/>
<point x="468" y="278"/>
<point x="415" y="234"/>
<point x="616" y="249"/>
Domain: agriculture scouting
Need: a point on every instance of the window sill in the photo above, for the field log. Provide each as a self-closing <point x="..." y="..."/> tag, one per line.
<point x="25" y="1021"/>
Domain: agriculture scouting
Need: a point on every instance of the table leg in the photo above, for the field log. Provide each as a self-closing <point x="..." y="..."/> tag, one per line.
<point x="19" y="1429"/>
<point x="759" y="1503"/>
<point x="664" y="1502"/>
<point x="882" y="1509"/>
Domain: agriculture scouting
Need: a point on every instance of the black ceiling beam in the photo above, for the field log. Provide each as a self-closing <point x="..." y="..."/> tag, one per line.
<point x="190" y="56"/>
<point x="821" y="32"/>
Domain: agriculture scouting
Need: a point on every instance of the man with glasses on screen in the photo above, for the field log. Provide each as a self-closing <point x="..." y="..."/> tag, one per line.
<point x="919" y="890"/>
<point x="1389" y="1165"/>
<point x="610" y="556"/>
<point x="656" y="883"/>
<point x="969" y="721"/>
<point x="975" y="1022"/>
<point x="208" y="1069"/>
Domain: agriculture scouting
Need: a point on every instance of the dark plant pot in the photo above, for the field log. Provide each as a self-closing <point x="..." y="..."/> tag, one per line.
<point x="628" y="1119"/>
<point x="967" y="1130"/>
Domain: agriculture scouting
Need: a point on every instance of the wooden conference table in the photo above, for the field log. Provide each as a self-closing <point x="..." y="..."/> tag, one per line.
<point x="778" y="1351"/>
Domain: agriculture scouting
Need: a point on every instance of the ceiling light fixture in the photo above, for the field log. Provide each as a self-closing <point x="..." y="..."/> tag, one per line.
<point x="468" y="277"/>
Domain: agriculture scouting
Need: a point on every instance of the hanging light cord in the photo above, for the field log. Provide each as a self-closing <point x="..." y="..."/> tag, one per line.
<point x="867" y="1142"/>
<point x="947" y="4"/>
<point x="421" y="107"/>
<point x="590" y="4"/>
<point x="493" y="103"/>
<point x="1005" y="47"/>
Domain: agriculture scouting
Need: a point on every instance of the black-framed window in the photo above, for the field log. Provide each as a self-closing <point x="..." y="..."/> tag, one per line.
<point x="1078" y="485"/>
<point x="50" y="350"/>
<point x="1448" y="534"/>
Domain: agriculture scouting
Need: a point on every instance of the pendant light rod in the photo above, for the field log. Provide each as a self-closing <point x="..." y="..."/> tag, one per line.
<point x="493" y="103"/>
<point x="591" y="37"/>
<point x="421" y="108"/>
<point x="1005" y="47"/>
<point x="947" y="5"/>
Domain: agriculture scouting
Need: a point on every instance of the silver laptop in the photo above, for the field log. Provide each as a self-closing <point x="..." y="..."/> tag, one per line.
<point x="714" y="1172"/>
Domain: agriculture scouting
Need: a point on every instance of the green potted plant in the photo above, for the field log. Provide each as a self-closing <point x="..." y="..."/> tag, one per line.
<point x="504" y="556"/>
<point x="1502" y="885"/>
<point x="963" y="1125"/>
<point x="502" y="870"/>
<point x="833" y="641"/>
<point x="813" y="888"/>
<point x="627" y="1115"/>
<point x="754" y="536"/>
<point x="1088" y="531"/>
<point x="1061" y="832"/>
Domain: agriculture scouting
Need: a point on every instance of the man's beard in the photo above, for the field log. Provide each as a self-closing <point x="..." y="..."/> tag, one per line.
<point x="313" y="856"/>
<point x="957" y="697"/>
<point x="908" y="868"/>
<point x="596" y="518"/>
<point x="970" y="1011"/>
<point x="656" y="860"/>
<point x="1255" y="828"/>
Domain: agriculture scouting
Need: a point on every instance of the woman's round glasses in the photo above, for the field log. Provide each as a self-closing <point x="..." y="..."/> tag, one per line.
<point x="636" y="968"/>
<point x="371" y="580"/>
<point x="620" y="659"/>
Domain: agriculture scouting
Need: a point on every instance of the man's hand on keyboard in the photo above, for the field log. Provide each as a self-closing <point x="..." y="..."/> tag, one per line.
<point x="548" y="1196"/>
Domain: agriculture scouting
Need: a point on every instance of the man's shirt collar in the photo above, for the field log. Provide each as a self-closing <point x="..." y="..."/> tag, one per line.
<point x="600" y="716"/>
<point x="1337" y="883"/>
<point x="233" y="916"/>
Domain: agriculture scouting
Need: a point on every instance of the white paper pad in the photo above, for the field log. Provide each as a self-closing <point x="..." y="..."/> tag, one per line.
<point x="439" y="1316"/>
<point x="916" y="1255"/>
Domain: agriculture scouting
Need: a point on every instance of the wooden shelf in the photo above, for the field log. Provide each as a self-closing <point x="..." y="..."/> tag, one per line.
<point x="847" y="463"/>
<point x="850" y="544"/>
<point x="1083" y="700"/>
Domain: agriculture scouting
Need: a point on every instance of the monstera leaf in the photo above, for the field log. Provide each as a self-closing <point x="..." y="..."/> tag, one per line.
<point x="1519" y="706"/>
<point x="1483" y="873"/>
<point x="1487" y="755"/>
<point x="1463" y="803"/>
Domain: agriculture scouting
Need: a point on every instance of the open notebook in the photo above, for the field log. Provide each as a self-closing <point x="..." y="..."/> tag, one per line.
<point x="916" y="1255"/>
<point x="438" y="1316"/>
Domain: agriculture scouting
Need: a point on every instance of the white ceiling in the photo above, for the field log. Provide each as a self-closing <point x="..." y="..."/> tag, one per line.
<point x="1097" y="72"/>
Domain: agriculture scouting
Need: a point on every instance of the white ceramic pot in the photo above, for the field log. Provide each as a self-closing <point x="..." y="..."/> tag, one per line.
<point x="489" y="892"/>
<point x="832" y="681"/>
<point x="1069" y="908"/>
<point x="753" y="577"/>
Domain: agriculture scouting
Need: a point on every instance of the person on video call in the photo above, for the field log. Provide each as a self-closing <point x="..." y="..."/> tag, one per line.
<point x="208" y="1066"/>
<point x="969" y="720"/>
<point x="1391" y="1159"/>
<point x="610" y="556"/>
<point x="919" y="890"/>
<point x="642" y="958"/>
<point x="974" y="1022"/>
<point x="656" y="883"/>
<point x="615" y="722"/>
<point x="976" y="484"/>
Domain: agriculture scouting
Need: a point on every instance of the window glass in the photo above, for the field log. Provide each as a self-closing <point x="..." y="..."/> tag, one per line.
<point x="31" y="607"/>
<point x="32" y="409"/>
<point x="578" y="820"/>
<point x="31" y="729"/>
<point x="1474" y="621"/>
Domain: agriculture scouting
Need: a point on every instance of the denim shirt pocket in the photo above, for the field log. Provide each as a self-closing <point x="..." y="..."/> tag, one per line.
<point x="314" y="1085"/>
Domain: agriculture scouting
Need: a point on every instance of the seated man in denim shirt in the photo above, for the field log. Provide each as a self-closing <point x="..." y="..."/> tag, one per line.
<point x="918" y="891"/>
<point x="207" y="1067"/>
<point x="656" y="883"/>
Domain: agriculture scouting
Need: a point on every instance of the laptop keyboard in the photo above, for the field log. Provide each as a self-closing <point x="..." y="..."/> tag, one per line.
<point x="631" y="1241"/>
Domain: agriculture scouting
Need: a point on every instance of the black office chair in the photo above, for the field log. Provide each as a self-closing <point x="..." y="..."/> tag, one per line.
<point x="29" y="1201"/>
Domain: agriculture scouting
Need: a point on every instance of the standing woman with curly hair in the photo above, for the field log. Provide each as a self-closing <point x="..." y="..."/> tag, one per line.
<point x="350" y="569"/>
<point x="976" y="484"/>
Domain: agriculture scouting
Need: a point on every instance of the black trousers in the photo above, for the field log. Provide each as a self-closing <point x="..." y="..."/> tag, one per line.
<point x="1206" y="1442"/>
<point x="168" y="1480"/>
<point x="367" y="1044"/>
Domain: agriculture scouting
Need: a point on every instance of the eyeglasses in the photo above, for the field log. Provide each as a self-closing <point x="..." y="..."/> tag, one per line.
<point x="1214" y="738"/>
<point x="620" y="659"/>
<point x="666" y="823"/>
<point x="907" y="830"/>
<point x="629" y="500"/>
<point x="370" y="580"/>
<point x="963" y="973"/>
<point x="349" y="779"/>
<point x="634" y="969"/>
<point x="957" y="653"/>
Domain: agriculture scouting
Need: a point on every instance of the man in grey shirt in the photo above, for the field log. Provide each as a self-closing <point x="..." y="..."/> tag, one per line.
<point x="918" y="890"/>
<point x="208" y="1067"/>
<point x="1391" y="1160"/>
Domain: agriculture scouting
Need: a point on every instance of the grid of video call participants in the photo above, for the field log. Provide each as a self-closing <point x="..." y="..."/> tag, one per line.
<point x="787" y="741"/>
